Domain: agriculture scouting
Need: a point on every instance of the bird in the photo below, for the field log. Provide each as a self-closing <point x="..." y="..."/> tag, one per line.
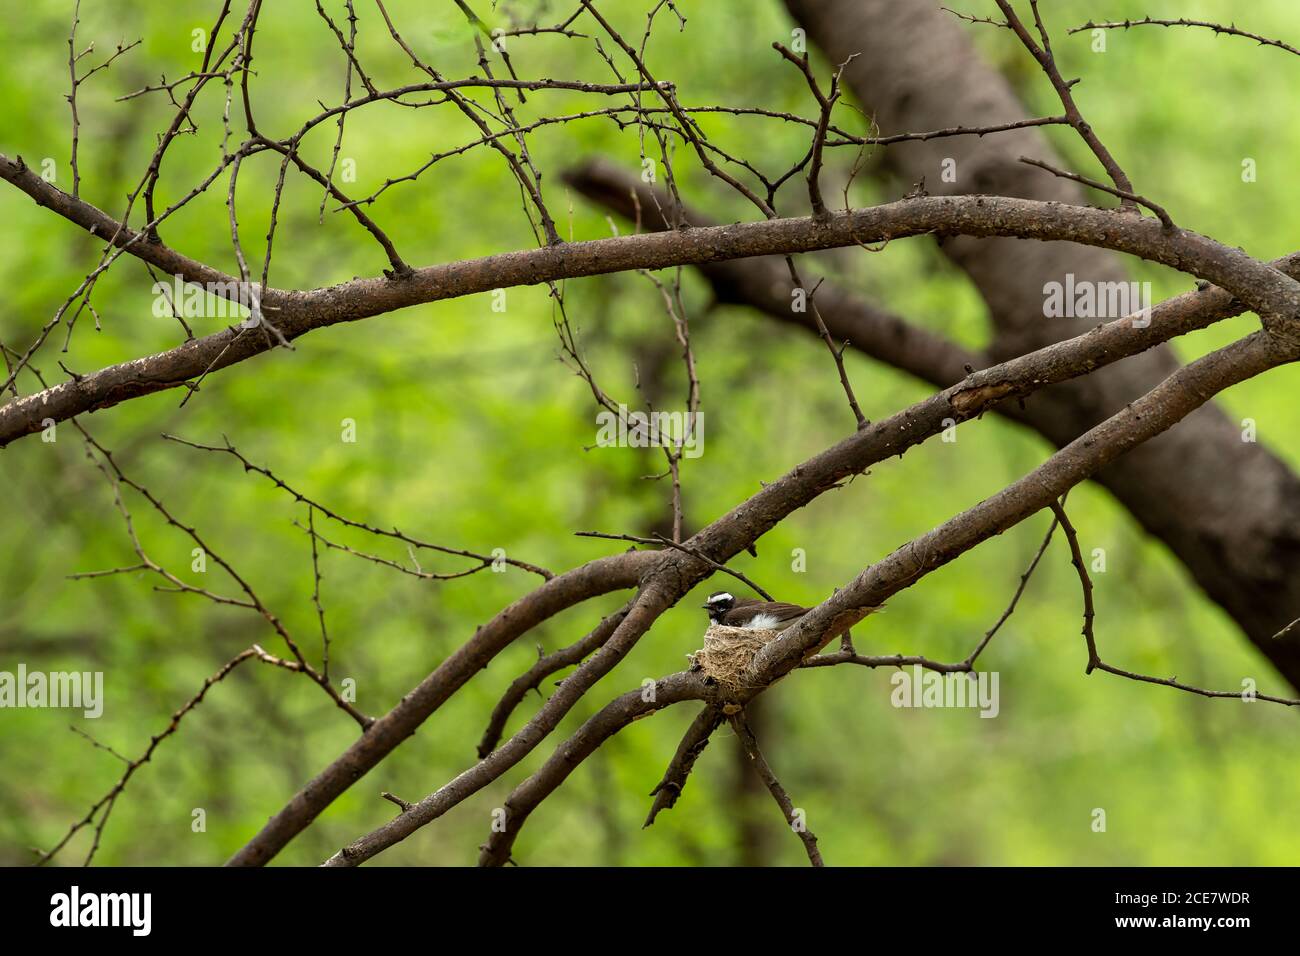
<point x="751" y="615"/>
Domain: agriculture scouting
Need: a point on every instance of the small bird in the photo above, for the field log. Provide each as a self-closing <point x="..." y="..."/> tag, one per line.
<point x="752" y="615"/>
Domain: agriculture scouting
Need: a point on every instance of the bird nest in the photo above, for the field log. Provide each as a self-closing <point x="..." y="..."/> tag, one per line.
<point x="728" y="652"/>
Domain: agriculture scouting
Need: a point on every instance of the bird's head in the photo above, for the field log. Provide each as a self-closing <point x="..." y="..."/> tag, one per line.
<point x="718" y="604"/>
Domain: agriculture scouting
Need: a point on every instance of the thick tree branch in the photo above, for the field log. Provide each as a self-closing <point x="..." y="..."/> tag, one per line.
<point x="1185" y="390"/>
<point x="300" y="312"/>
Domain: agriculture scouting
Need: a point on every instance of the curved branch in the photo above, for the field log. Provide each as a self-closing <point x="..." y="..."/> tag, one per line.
<point x="1268" y="291"/>
<point x="385" y="734"/>
<point x="654" y="598"/>
<point x="532" y="678"/>
<point x="1218" y="28"/>
<point x="611" y="718"/>
<point x="669" y="789"/>
<point x="1162" y="407"/>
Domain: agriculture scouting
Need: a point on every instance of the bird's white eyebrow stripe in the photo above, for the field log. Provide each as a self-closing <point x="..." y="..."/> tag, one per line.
<point x="718" y="598"/>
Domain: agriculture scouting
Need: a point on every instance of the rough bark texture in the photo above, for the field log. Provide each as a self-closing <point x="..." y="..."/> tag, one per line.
<point x="1229" y="510"/>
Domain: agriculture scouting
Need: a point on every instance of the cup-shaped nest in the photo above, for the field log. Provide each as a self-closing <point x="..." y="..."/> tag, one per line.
<point x="728" y="652"/>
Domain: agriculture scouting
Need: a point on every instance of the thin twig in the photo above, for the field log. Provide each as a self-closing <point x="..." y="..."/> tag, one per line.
<point x="1229" y="30"/>
<point x="1134" y="197"/>
<point x="769" y="778"/>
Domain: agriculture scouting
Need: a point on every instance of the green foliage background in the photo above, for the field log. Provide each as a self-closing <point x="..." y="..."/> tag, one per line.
<point x="472" y="434"/>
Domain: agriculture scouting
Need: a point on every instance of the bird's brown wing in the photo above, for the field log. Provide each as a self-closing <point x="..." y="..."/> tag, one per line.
<point x="782" y="611"/>
<point x="743" y="613"/>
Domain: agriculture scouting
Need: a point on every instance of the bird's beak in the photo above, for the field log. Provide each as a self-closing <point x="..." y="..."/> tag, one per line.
<point x="705" y="606"/>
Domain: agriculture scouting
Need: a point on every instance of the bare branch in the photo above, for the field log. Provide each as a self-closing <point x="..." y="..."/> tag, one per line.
<point x="1218" y="28"/>
<point x="769" y="778"/>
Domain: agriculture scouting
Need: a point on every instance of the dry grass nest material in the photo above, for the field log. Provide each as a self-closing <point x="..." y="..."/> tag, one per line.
<point x="728" y="652"/>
